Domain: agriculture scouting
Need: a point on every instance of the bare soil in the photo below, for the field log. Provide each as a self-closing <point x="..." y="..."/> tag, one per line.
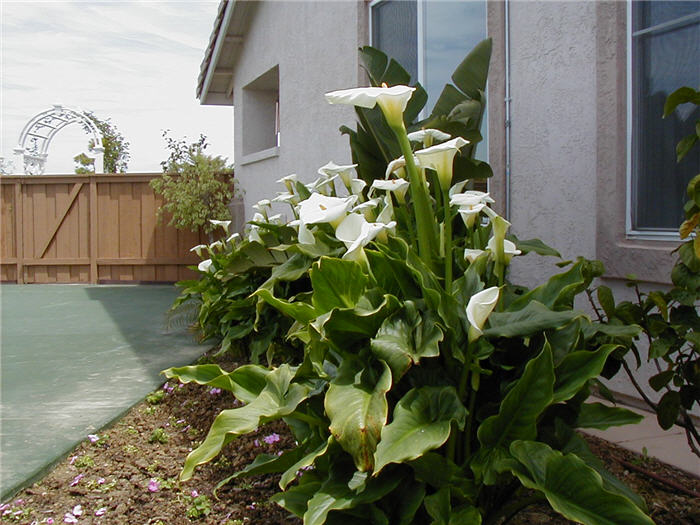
<point x="128" y="475"/>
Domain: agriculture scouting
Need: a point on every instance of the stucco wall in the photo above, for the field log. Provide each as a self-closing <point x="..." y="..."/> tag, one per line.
<point x="553" y="187"/>
<point x="315" y="45"/>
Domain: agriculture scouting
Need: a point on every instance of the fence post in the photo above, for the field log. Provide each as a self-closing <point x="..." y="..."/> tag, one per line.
<point x="93" y="229"/>
<point x="19" y="233"/>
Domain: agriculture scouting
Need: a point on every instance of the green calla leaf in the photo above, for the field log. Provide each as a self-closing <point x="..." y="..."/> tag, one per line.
<point x="405" y="338"/>
<point x="298" y="311"/>
<point x="472" y="73"/>
<point x="558" y="292"/>
<point x="335" y="494"/>
<point x="534" y="317"/>
<point x="279" y="398"/>
<point x="357" y="408"/>
<point x="572" y="488"/>
<point x="245" y="382"/>
<point x="533" y="245"/>
<point x="336" y="284"/>
<point x="421" y="422"/>
<point x="576" y="369"/>
<point x="598" y="415"/>
<point x="296" y="498"/>
<point x="517" y="417"/>
<point x="302" y="462"/>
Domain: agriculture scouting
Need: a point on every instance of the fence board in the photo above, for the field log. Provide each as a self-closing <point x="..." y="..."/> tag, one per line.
<point x="108" y="233"/>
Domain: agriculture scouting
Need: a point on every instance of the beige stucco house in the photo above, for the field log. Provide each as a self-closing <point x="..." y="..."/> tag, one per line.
<point x="581" y="158"/>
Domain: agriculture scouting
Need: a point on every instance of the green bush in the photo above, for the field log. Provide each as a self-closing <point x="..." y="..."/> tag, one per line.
<point x="196" y="187"/>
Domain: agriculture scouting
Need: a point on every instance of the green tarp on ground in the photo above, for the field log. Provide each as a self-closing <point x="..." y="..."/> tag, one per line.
<point x="73" y="358"/>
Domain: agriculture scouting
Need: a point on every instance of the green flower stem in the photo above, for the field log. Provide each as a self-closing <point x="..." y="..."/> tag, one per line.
<point x="421" y="205"/>
<point x="462" y="392"/>
<point x="448" y="240"/>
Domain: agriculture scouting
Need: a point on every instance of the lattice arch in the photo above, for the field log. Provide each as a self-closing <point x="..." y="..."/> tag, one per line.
<point x="35" y="139"/>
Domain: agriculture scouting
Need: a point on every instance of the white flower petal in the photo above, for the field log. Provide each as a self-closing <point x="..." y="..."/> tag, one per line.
<point x="480" y="306"/>
<point x="422" y="134"/>
<point x="319" y="208"/>
<point x="205" y="266"/>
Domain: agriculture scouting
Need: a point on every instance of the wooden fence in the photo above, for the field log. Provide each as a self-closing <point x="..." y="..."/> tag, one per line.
<point x="88" y="229"/>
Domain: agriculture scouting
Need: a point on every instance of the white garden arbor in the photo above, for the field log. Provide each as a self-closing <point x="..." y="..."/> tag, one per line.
<point x="35" y="139"/>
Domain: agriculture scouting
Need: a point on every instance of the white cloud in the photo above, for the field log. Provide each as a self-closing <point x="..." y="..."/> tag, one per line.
<point x="134" y="62"/>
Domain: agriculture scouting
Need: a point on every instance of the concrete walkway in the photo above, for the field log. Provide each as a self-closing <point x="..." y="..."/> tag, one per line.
<point x="74" y="358"/>
<point x="669" y="446"/>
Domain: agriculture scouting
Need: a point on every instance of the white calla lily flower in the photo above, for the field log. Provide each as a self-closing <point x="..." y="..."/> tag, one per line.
<point x="304" y="234"/>
<point x="344" y="172"/>
<point x="509" y="248"/>
<point x="356" y="186"/>
<point x="289" y="181"/>
<point x="440" y="158"/>
<point x="398" y="166"/>
<point x="223" y="224"/>
<point x="234" y="238"/>
<point x="472" y="255"/>
<point x="356" y="233"/>
<point x="398" y="186"/>
<point x="366" y="208"/>
<point x="205" y="266"/>
<point x="320" y="208"/>
<point x="391" y="100"/>
<point x="428" y="136"/>
<point x="198" y="249"/>
<point x="387" y="214"/>
<point x="217" y="245"/>
<point x="479" y="308"/>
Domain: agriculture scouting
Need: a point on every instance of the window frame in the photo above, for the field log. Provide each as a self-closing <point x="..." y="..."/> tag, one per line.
<point x="656" y="234"/>
<point x="650" y="257"/>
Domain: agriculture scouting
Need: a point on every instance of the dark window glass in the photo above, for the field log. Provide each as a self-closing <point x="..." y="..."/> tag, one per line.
<point x="664" y="58"/>
<point x="395" y="31"/>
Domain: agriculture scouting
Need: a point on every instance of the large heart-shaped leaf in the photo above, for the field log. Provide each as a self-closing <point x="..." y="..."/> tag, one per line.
<point x="572" y="488"/>
<point x="405" y="338"/>
<point x="336" y="283"/>
<point x="421" y="422"/>
<point x="357" y="408"/>
<point x="279" y="398"/>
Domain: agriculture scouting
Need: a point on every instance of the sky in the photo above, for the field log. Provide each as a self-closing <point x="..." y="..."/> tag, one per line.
<point x="134" y="62"/>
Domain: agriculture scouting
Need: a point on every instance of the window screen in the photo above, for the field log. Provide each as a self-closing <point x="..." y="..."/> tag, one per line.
<point x="665" y="56"/>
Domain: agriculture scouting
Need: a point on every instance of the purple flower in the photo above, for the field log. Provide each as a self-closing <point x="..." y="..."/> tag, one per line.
<point x="256" y="443"/>
<point x="194" y="493"/>
<point x="272" y="438"/>
<point x="215" y="391"/>
<point x="77" y="510"/>
<point x="4" y="507"/>
<point x="100" y="481"/>
<point x="19" y="502"/>
<point x="153" y="485"/>
<point x="101" y="511"/>
<point x="69" y="518"/>
<point x="251" y="506"/>
<point x="49" y="521"/>
<point x="94" y="438"/>
<point x="76" y="480"/>
<point x="72" y="460"/>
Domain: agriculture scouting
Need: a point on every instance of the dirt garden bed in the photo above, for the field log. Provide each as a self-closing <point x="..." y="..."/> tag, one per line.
<point x="127" y="474"/>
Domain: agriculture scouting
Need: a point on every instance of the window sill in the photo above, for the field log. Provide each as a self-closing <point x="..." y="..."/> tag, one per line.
<point x="260" y="155"/>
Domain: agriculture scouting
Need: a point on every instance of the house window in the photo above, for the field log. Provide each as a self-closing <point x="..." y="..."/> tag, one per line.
<point x="429" y="38"/>
<point x="665" y="53"/>
<point x="260" y="108"/>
